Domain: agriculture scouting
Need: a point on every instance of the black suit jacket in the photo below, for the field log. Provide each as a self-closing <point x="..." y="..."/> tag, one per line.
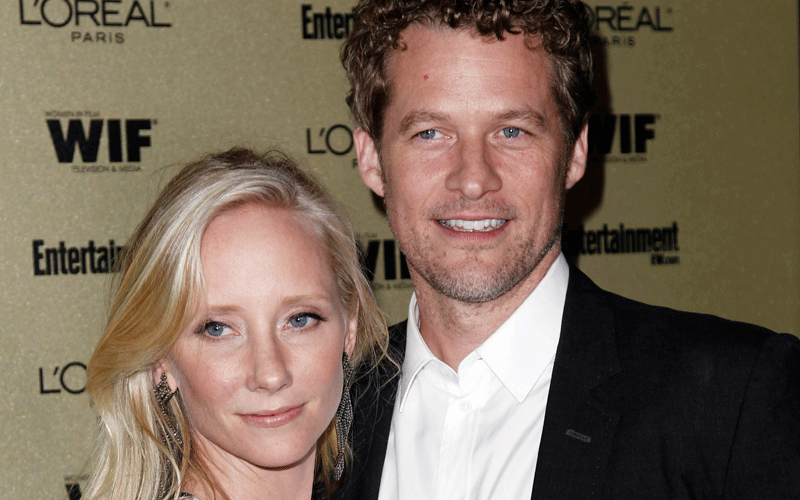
<point x="645" y="402"/>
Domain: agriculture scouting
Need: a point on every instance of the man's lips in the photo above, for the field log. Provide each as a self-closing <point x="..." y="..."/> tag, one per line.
<point x="472" y="226"/>
<point x="272" y="418"/>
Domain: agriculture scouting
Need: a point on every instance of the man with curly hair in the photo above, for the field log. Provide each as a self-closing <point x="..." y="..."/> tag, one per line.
<point x="520" y="378"/>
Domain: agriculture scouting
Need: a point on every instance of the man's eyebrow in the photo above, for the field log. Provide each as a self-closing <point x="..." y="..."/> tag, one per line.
<point x="526" y="114"/>
<point x="416" y="117"/>
<point x="530" y="115"/>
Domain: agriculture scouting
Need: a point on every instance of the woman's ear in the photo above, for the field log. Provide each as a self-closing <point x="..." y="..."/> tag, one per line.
<point x="162" y="367"/>
<point x="351" y="334"/>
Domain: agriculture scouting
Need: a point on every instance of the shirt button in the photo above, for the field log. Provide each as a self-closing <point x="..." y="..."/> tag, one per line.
<point x="465" y="406"/>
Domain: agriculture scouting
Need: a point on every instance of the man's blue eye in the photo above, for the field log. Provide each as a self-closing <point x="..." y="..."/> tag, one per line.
<point x="427" y="134"/>
<point x="511" y="132"/>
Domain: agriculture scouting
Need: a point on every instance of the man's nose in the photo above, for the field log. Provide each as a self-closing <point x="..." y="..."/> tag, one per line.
<point x="473" y="172"/>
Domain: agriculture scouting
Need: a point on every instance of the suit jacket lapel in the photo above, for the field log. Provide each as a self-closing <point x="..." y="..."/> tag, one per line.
<point x="580" y="418"/>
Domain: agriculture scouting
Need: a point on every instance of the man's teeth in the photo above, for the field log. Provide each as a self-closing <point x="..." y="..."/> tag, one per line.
<point x="472" y="225"/>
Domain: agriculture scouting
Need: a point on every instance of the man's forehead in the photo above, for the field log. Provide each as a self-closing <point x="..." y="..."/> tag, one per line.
<point x="421" y="30"/>
<point x="437" y="46"/>
<point x="418" y="37"/>
<point x="427" y="53"/>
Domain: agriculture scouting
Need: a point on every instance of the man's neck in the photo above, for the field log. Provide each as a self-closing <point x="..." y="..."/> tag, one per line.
<point x="452" y="329"/>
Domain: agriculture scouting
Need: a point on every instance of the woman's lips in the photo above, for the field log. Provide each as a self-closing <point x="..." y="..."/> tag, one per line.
<point x="272" y="418"/>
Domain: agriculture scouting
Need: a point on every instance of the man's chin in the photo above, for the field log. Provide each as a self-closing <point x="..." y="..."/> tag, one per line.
<point x="472" y="288"/>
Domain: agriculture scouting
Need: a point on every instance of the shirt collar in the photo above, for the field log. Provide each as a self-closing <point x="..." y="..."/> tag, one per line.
<point x="417" y="352"/>
<point x="519" y="351"/>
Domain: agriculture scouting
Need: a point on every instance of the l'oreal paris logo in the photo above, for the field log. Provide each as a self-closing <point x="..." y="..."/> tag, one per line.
<point x="630" y="18"/>
<point x="86" y="14"/>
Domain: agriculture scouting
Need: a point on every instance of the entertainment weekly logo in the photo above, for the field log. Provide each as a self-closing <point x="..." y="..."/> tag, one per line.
<point x="94" y="21"/>
<point x="60" y="259"/>
<point x="619" y="25"/>
<point x="91" y="143"/>
<point x="323" y="23"/>
<point x="659" y="243"/>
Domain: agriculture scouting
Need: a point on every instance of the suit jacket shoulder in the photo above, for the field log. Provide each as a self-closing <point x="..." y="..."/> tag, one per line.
<point x="650" y="401"/>
<point x="645" y="402"/>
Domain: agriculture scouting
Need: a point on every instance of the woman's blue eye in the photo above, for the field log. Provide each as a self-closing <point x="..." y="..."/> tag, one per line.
<point x="511" y="132"/>
<point x="303" y="320"/>
<point x="428" y="134"/>
<point x="214" y="328"/>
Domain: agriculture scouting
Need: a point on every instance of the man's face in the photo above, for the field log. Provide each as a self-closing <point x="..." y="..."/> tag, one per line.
<point x="472" y="162"/>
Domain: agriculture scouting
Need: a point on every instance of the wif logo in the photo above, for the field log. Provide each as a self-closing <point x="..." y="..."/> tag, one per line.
<point x="627" y="135"/>
<point x="123" y="139"/>
<point x="394" y="268"/>
<point x="73" y="485"/>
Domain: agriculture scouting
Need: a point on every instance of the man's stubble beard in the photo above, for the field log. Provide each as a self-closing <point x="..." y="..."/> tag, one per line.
<point x="481" y="286"/>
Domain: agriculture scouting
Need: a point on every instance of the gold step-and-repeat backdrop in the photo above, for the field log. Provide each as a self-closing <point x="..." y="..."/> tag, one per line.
<point x="694" y="149"/>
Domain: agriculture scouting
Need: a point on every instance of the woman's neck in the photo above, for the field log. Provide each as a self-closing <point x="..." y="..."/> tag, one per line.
<point x="241" y="480"/>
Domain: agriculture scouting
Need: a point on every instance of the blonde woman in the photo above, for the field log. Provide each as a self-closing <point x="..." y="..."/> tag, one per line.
<point x="239" y="313"/>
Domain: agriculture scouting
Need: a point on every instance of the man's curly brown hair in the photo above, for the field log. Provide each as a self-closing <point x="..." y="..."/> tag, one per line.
<point x="561" y="27"/>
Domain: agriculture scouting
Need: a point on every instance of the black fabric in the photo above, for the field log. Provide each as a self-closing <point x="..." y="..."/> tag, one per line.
<point x="373" y="403"/>
<point x="645" y="402"/>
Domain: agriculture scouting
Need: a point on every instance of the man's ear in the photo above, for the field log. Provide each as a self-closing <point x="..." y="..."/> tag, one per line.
<point x="162" y="366"/>
<point x="577" y="166"/>
<point x="369" y="165"/>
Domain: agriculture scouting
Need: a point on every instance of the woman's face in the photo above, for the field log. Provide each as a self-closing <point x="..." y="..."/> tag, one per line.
<point x="260" y="371"/>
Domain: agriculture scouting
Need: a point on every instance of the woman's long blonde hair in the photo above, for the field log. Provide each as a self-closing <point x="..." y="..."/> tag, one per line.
<point x="158" y="290"/>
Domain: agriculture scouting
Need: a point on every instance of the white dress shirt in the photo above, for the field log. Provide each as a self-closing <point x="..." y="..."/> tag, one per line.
<point x="475" y="433"/>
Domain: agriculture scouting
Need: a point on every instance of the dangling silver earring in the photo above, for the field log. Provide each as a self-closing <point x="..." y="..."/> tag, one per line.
<point x="344" y="417"/>
<point x="163" y="395"/>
